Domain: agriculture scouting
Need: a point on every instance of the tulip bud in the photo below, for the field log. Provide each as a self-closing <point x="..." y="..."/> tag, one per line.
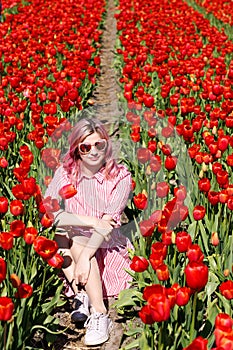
<point x="153" y="186"/>
<point x="214" y="239"/>
<point x="214" y="130"/>
<point x="201" y="174"/>
<point x="148" y="170"/>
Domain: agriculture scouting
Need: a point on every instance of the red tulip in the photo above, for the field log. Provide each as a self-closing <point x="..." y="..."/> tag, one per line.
<point x="195" y="253"/>
<point x="156" y="259"/>
<point x="140" y="201"/>
<point x="6" y="240"/>
<point x="45" y="247"/>
<point x="29" y="185"/>
<point x="19" y="193"/>
<point x="153" y="289"/>
<point x="56" y="261"/>
<point x="30" y="234"/>
<point x="152" y="132"/>
<point x="199" y="212"/>
<point x="47" y="220"/>
<point x="67" y="191"/>
<point x="204" y="184"/>
<point x="24" y="291"/>
<point x="199" y="343"/>
<point x="160" y="307"/>
<point x="50" y="157"/>
<point x="183" y="296"/>
<point x="155" y="163"/>
<point x="3" y="162"/>
<point x="162" y="272"/>
<point x="229" y="160"/>
<point x="145" y="315"/>
<point x="216" y="167"/>
<point x="180" y="193"/>
<point x="171" y="295"/>
<point x="6" y="308"/>
<point x="17" y="228"/>
<point x="230" y="203"/>
<point x="148" y="100"/>
<point x="15" y="280"/>
<point x="3" y="205"/>
<point x="183" y="241"/>
<point x="152" y="146"/>
<point x="224" y="322"/>
<point x="226" y="289"/>
<point x="2" y="270"/>
<point x="223" y="331"/>
<point x="213" y="197"/>
<point x="143" y="155"/>
<point x="162" y="189"/>
<point x="16" y="207"/>
<point x="167" y="238"/>
<point x="170" y="163"/>
<point x="135" y="137"/>
<point x="196" y="275"/>
<point x="223" y="142"/>
<point x="139" y="264"/>
<point x="156" y="216"/>
<point x="222" y="177"/>
<point x="159" y="247"/>
<point x="147" y="228"/>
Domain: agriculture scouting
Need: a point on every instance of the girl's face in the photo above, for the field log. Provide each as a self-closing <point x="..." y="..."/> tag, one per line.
<point x="92" y="151"/>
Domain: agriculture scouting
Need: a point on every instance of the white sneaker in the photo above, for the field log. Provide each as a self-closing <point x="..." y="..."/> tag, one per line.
<point x="81" y="308"/>
<point x="98" y="327"/>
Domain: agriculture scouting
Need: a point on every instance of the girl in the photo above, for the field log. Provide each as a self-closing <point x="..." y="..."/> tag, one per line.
<point x="95" y="252"/>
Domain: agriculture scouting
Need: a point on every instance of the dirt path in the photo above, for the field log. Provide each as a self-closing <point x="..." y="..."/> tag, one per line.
<point x="105" y="105"/>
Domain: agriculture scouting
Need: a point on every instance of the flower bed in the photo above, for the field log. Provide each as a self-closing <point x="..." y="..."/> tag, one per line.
<point x="222" y="10"/>
<point x="176" y="77"/>
<point x="49" y="63"/>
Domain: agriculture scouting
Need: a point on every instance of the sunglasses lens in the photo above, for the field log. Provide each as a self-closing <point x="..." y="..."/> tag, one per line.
<point x="85" y="148"/>
<point x="100" y="145"/>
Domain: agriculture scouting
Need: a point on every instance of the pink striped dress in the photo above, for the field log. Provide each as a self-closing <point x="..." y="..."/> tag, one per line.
<point x="97" y="196"/>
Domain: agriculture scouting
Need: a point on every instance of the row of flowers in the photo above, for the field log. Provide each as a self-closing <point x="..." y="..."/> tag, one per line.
<point x="222" y="10"/>
<point x="49" y="63"/>
<point x="176" y="77"/>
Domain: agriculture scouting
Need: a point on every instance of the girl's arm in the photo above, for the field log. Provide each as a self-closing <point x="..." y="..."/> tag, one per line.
<point x="102" y="227"/>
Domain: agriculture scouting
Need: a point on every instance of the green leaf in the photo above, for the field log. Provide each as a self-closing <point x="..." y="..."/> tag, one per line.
<point x="132" y="332"/>
<point x="133" y="345"/>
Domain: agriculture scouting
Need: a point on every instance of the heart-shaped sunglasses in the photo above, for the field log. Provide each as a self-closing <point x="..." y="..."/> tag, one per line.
<point x="85" y="147"/>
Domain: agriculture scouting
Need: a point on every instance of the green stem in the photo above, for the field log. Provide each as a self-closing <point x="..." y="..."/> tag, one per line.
<point x="196" y="231"/>
<point x="42" y="286"/>
<point x="192" y="329"/>
<point x="4" y="341"/>
<point x="160" y="342"/>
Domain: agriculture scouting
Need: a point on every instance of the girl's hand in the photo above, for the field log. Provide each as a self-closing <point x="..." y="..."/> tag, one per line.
<point x="82" y="270"/>
<point x="104" y="227"/>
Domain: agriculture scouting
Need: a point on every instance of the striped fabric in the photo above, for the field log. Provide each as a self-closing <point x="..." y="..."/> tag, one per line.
<point x="97" y="196"/>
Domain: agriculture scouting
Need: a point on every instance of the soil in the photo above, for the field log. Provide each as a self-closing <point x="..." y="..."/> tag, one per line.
<point x="104" y="101"/>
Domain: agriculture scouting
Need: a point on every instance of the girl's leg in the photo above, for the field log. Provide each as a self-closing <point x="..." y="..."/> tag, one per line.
<point x="94" y="285"/>
<point x="63" y="242"/>
<point x="94" y="288"/>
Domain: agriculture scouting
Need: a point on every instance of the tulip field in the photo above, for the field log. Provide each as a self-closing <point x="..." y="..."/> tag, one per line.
<point x="174" y="64"/>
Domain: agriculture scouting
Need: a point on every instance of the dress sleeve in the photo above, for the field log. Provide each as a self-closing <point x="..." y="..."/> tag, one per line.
<point x="58" y="181"/>
<point x="119" y="197"/>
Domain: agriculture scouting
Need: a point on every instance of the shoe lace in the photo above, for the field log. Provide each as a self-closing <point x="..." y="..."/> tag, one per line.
<point x="93" y="322"/>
